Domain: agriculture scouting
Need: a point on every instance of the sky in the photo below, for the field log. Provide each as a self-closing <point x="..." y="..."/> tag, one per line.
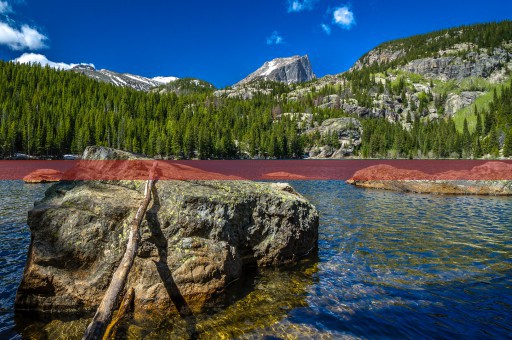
<point x="220" y="41"/>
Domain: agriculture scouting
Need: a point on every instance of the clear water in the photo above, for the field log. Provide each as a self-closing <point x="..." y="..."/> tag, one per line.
<point x="16" y="199"/>
<point x="390" y="265"/>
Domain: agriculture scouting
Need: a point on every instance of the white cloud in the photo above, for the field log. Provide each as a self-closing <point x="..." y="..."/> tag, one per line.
<point x="344" y="17"/>
<point x="275" y="39"/>
<point x="326" y="28"/>
<point x="301" y="5"/>
<point x="25" y="38"/>
<point x="5" y="7"/>
<point x="33" y="58"/>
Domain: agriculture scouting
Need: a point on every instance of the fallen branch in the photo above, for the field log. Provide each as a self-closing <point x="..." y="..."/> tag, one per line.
<point x="105" y="310"/>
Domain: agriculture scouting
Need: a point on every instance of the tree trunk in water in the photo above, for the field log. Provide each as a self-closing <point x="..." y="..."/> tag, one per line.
<point x="110" y="332"/>
<point x="104" y="313"/>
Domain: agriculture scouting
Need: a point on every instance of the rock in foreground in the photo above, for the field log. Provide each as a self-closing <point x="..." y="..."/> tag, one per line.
<point x="492" y="178"/>
<point x="195" y="240"/>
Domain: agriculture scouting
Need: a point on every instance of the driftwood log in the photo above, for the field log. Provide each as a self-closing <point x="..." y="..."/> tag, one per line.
<point x="103" y="315"/>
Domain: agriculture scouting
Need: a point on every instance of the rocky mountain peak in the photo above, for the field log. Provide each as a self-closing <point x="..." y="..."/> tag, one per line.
<point x="296" y="69"/>
<point x="83" y="67"/>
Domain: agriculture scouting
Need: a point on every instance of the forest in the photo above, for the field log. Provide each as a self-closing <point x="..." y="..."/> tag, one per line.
<point x="48" y="113"/>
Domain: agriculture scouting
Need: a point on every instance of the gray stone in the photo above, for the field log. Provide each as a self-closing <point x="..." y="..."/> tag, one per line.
<point x="456" y="102"/>
<point x="349" y="132"/>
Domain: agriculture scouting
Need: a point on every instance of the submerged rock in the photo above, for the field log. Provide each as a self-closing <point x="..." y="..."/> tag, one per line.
<point x="491" y="178"/>
<point x="195" y="240"/>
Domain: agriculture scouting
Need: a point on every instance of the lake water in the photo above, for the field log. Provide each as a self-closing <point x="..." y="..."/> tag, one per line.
<point x="390" y="265"/>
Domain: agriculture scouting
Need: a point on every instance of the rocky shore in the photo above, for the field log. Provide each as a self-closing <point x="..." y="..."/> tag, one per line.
<point x="197" y="238"/>
<point x="492" y="178"/>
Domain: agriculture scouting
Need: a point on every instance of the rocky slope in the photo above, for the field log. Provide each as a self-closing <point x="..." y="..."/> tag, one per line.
<point x="290" y="70"/>
<point x="122" y="79"/>
<point x="487" y="64"/>
<point x="196" y="239"/>
<point x="336" y="138"/>
<point x="427" y="76"/>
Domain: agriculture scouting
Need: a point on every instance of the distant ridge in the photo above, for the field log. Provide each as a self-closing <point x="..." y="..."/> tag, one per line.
<point x="122" y="79"/>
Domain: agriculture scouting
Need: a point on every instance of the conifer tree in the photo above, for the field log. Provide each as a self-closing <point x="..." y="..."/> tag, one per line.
<point x="507" y="147"/>
<point x="478" y="127"/>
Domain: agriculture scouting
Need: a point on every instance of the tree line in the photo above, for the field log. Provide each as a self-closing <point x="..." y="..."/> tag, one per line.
<point x="48" y="113"/>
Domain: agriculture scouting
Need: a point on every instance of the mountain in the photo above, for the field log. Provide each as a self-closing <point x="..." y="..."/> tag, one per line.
<point x="290" y="70"/>
<point x="122" y="79"/>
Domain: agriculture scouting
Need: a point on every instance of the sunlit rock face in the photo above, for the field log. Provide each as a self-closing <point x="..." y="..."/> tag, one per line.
<point x="290" y="70"/>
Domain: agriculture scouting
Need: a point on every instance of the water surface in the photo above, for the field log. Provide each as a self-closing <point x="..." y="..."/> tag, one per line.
<point x="390" y="265"/>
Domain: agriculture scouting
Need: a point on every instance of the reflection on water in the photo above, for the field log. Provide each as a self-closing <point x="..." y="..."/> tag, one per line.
<point x="389" y="265"/>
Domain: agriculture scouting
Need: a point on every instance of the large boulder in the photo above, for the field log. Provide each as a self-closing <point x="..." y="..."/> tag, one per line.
<point x="196" y="238"/>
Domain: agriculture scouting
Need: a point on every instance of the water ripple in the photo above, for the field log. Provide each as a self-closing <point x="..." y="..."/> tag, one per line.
<point x="391" y="265"/>
<point x="15" y="201"/>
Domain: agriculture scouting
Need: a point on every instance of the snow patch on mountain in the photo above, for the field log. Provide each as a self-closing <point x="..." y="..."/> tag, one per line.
<point x="165" y="80"/>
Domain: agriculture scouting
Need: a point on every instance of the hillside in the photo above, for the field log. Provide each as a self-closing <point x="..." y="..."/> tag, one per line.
<point x="444" y="94"/>
<point x="185" y="86"/>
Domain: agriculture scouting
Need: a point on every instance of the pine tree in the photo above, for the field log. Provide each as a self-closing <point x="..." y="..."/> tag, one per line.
<point x="478" y="127"/>
<point x="507" y="147"/>
<point x="466" y="140"/>
<point x="477" y="148"/>
<point x="494" y="146"/>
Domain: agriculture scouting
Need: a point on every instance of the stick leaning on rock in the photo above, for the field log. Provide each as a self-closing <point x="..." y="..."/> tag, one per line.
<point x="105" y="310"/>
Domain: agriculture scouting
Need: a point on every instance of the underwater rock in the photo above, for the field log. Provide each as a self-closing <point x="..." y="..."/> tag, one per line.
<point x="491" y="178"/>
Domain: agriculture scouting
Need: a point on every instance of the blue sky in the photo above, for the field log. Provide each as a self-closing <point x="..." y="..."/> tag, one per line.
<point x="222" y="41"/>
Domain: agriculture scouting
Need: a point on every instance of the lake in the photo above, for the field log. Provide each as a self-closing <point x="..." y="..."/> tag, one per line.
<point x="389" y="265"/>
